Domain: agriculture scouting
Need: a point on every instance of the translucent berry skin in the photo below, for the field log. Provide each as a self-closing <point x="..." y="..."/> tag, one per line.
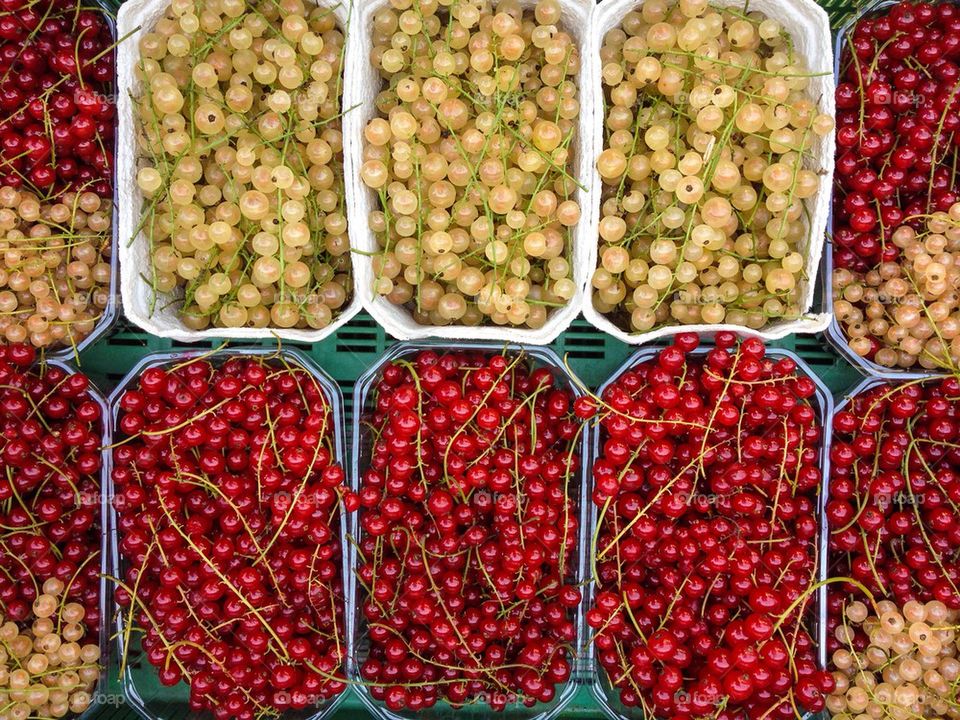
<point x="240" y="164"/>
<point x="475" y="197"/>
<point x="705" y="175"/>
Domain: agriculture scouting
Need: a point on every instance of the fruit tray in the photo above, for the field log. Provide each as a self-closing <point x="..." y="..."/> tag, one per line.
<point x="361" y="445"/>
<point x="605" y="694"/>
<point x="139" y="677"/>
<point x="346" y="356"/>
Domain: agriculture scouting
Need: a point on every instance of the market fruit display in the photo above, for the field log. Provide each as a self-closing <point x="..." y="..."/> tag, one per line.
<point x="505" y="536"/>
<point x="50" y="535"/>
<point x="708" y="169"/>
<point x="467" y="557"/>
<point x="241" y="164"/>
<point x="897" y="120"/>
<point x="705" y="552"/>
<point x="470" y="154"/>
<point x="228" y="486"/>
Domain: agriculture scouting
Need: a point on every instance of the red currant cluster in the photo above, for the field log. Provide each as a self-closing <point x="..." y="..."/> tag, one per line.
<point x="468" y="551"/>
<point x="894" y="489"/>
<point x="898" y="113"/>
<point x="52" y="431"/>
<point x="707" y="484"/>
<point x="227" y="493"/>
<point x="56" y="111"/>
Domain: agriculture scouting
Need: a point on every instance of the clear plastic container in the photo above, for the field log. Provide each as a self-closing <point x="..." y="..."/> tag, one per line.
<point x="607" y="696"/>
<point x="834" y="333"/>
<point x="362" y="397"/>
<point x="111" y="310"/>
<point x="99" y="698"/>
<point x="141" y="688"/>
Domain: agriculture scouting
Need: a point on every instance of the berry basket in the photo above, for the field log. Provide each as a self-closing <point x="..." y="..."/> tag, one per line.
<point x="361" y="87"/>
<point x="906" y="491"/>
<point x="156" y="313"/>
<point x="808" y="25"/>
<point x="605" y="694"/>
<point x="834" y="333"/>
<point x="142" y="690"/>
<point x="363" y="397"/>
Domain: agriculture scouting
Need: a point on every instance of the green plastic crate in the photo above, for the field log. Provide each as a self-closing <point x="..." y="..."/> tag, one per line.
<point x="591" y="354"/>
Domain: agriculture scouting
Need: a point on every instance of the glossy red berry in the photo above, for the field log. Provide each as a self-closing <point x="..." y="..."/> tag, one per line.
<point x="58" y="73"/>
<point x="51" y="431"/>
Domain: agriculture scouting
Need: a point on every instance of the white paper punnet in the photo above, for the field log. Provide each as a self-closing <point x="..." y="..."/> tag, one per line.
<point x="135" y="18"/>
<point x="363" y="83"/>
<point x="807" y="23"/>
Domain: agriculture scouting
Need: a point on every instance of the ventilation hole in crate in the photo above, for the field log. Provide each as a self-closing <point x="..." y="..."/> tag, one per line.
<point x="127" y="339"/>
<point x="814" y="342"/>
<point x="589" y="348"/>
<point x="815" y="348"/>
<point x="113" y="379"/>
<point x="179" y="346"/>
<point x="360" y="340"/>
<point x="346" y="387"/>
